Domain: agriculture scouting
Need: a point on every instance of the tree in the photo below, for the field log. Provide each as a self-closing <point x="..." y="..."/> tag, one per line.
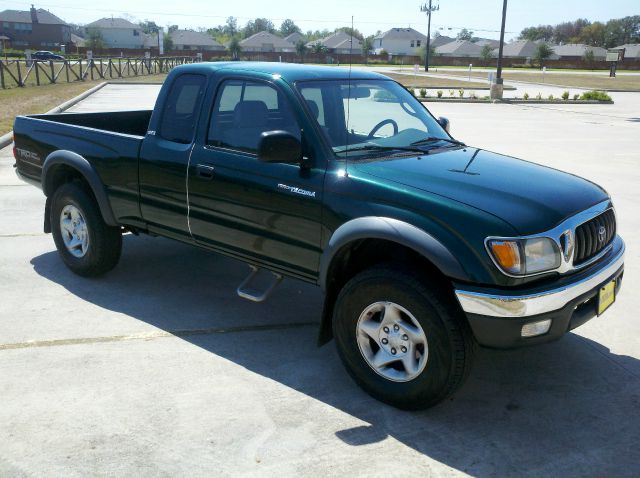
<point x="541" y="32"/>
<point x="94" y="40"/>
<point x="464" y="34"/>
<point x="172" y="28"/>
<point x="318" y="48"/>
<point x="235" y="48"/>
<point x="487" y="53"/>
<point x="288" y="27"/>
<point x="367" y="47"/>
<point x="301" y="50"/>
<point x="589" y="58"/>
<point x="167" y="42"/>
<point x="593" y="34"/>
<point x="230" y="27"/>
<point x="543" y="52"/>
<point x="149" y="27"/>
<point x="354" y="32"/>
<point x="258" y="25"/>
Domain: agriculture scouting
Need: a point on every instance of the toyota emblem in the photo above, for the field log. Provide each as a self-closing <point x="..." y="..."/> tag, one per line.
<point x="602" y="233"/>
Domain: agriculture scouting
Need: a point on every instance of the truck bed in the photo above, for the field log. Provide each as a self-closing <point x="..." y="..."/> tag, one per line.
<point x="124" y="122"/>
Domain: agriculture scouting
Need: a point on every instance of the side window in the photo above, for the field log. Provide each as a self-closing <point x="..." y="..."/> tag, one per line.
<point x="181" y="108"/>
<point x="313" y="97"/>
<point x="243" y="110"/>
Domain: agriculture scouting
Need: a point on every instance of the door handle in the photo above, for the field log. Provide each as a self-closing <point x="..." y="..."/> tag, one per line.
<point x="205" y="171"/>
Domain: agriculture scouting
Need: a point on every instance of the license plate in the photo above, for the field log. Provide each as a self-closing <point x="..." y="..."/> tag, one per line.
<point x="606" y="296"/>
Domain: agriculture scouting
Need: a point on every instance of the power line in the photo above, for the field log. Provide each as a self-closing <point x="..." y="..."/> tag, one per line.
<point x="224" y="17"/>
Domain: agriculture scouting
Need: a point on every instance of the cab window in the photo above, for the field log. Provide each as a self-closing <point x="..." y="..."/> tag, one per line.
<point x="181" y="108"/>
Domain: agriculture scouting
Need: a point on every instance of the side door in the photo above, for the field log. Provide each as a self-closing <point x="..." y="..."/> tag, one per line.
<point x="164" y="156"/>
<point x="265" y="212"/>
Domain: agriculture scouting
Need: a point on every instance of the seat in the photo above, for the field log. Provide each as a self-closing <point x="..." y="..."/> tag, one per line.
<point x="249" y="122"/>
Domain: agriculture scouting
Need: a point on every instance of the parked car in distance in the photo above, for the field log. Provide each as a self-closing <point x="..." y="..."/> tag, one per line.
<point x="46" y="55"/>
<point x="422" y="245"/>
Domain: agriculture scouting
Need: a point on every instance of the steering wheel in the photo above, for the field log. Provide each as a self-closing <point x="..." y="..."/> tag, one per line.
<point x="381" y="124"/>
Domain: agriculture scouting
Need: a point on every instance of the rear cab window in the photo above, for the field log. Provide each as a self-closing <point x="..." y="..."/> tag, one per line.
<point x="180" y="112"/>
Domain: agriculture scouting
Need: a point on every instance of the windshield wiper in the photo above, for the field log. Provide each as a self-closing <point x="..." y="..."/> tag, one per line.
<point x="377" y="147"/>
<point x="432" y="139"/>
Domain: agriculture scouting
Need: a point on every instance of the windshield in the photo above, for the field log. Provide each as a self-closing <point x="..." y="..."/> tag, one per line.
<point x="364" y="117"/>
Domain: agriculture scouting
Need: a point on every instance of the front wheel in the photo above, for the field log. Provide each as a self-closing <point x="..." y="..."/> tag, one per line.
<point x="401" y="341"/>
<point x="87" y="245"/>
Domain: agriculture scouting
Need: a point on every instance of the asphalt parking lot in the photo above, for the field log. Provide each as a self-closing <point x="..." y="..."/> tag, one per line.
<point x="160" y="369"/>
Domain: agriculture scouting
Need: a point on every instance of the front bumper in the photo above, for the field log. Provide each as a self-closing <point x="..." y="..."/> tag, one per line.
<point x="497" y="316"/>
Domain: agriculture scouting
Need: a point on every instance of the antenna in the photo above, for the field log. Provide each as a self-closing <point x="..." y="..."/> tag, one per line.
<point x="346" y="158"/>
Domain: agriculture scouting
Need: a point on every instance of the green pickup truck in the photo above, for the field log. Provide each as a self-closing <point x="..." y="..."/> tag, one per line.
<point x="423" y="246"/>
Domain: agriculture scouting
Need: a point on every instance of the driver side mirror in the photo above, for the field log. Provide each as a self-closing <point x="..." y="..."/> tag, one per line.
<point x="279" y="147"/>
<point x="444" y="122"/>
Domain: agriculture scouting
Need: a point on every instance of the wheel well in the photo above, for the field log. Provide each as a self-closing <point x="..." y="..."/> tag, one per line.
<point x="359" y="255"/>
<point x="59" y="175"/>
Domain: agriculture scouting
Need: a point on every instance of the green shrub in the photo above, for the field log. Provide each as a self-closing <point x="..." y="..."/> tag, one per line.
<point x="526" y="96"/>
<point x="461" y="92"/>
<point x="576" y="96"/>
<point x="439" y="93"/>
<point x="423" y="92"/>
<point x="551" y="97"/>
<point x="451" y="93"/>
<point x="595" y="95"/>
<point x="565" y="95"/>
<point x="539" y="96"/>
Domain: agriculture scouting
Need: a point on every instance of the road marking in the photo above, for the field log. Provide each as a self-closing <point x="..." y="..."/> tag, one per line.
<point x="154" y="335"/>
<point x="30" y="234"/>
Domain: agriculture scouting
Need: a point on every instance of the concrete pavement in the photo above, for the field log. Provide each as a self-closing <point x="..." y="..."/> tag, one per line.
<point x="158" y="369"/>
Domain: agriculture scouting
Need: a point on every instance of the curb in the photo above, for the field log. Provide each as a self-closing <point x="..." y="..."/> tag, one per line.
<point x="514" y="101"/>
<point x="7" y="139"/>
<point x="470" y="88"/>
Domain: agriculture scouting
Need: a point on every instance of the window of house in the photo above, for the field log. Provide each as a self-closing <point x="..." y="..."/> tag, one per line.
<point x="412" y="44"/>
<point x="6" y="25"/>
<point x="136" y="33"/>
<point x="181" y="108"/>
<point x="243" y="110"/>
<point x="418" y="43"/>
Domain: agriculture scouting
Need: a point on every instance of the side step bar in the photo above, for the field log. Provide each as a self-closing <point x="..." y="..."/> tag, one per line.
<point x="247" y="292"/>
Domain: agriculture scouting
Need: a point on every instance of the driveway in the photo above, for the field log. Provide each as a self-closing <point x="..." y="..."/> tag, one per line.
<point x="160" y="369"/>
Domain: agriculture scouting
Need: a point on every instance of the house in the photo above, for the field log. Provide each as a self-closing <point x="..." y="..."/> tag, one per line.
<point x="520" y="49"/>
<point x="339" y="42"/>
<point x="577" y="51"/>
<point x="36" y="28"/>
<point x="265" y="42"/>
<point x="400" y="41"/>
<point x="118" y="33"/>
<point x="631" y="51"/>
<point x="294" y="38"/>
<point x="482" y="42"/>
<point x="440" y="40"/>
<point x="77" y="41"/>
<point x="190" y="40"/>
<point x="459" y="48"/>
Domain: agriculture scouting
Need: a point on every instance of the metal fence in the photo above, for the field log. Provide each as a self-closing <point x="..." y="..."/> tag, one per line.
<point x="21" y="72"/>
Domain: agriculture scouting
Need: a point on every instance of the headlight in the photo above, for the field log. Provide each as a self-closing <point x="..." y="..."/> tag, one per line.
<point x="522" y="257"/>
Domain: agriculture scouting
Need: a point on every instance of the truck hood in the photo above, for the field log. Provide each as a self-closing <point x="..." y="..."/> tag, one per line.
<point x="532" y="198"/>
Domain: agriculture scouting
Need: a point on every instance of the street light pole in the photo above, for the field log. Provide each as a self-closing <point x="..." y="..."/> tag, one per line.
<point x="497" y="87"/>
<point x="428" y="9"/>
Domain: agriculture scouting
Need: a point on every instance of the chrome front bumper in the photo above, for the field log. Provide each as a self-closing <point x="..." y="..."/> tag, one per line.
<point x="506" y="305"/>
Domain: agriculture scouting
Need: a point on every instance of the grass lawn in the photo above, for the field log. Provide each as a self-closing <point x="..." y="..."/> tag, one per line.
<point x="595" y="82"/>
<point x="431" y="82"/>
<point x="40" y="99"/>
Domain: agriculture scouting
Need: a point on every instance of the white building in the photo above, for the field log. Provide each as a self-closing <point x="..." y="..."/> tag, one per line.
<point x="118" y="33"/>
<point x="400" y="41"/>
<point x="572" y="51"/>
<point x="339" y="42"/>
<point x="631" y="50"/>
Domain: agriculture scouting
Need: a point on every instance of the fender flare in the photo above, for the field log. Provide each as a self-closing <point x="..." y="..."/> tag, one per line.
<point x="87" y="171"/>
<point x="394" y="230"/>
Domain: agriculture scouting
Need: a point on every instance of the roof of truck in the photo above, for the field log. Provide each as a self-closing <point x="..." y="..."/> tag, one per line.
<point x="288" y="71"/>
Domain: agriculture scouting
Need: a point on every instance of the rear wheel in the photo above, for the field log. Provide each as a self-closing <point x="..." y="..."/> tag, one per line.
<point x="401" y="341"/>
<point x="86" y="244"/>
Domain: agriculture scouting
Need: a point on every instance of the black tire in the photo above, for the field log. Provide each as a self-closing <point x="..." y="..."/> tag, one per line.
<point x="450" y="341"/>
<point x="105" y="242"/>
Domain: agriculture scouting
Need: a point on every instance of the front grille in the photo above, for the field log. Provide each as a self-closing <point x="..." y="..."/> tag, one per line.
<point x="590" y="238"/>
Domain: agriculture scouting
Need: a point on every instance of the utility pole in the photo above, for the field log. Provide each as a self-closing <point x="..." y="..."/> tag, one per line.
<point x="497" y="87"/>
<point x="428" y="9"/>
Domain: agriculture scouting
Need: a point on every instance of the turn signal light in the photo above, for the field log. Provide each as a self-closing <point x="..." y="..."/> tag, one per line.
<point x="507" y="255"/>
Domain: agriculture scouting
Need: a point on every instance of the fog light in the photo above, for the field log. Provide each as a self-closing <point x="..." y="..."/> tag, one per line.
<point x="536" y="328"/>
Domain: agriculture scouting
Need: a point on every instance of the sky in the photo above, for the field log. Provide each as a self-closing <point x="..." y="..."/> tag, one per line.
<point x="482" y="17"/>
